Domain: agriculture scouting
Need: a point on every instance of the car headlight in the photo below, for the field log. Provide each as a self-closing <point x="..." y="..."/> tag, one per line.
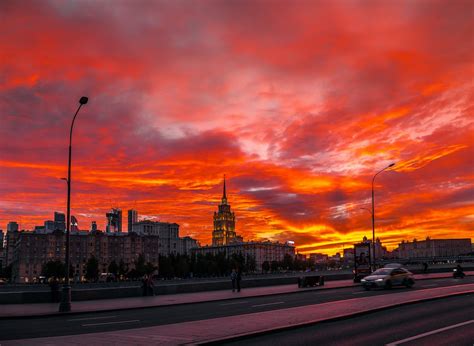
<point x="379" y="280"/>
<point x="363" y="280"/>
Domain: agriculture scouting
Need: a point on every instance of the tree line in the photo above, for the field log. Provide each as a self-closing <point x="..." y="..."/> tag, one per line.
<point x="180" y="266"/>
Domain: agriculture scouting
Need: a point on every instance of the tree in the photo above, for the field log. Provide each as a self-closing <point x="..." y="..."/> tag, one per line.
<point x="250" y="263"/>
<point x="274" y="266"/>
<point x="166" y="267"/>
<point x="149" y="268"/>
<point x="122" y="269"/>
<point x="92" y="269"/>
<point x="54" y="268"/>
<point x="265" y="266"/>
<point x="181" y="266"/>
<point x="113" y="268"/>
<point x="288" y="262"/>
<point x="140" y="268"/>
<point x="7" y="272"/>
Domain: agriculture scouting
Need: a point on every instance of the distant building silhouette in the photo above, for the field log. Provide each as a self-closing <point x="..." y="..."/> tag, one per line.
<point x="132" y="218"/>
<point x="434" y="248"/>
<point x="114" y="221"/>
<point x="59" y="221"/>
<point x="12" y="226"/>
<point x="170" y="242"/>
<point x="11" y="238"/>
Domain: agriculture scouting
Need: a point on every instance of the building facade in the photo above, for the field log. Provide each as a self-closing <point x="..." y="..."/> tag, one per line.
<point x="11" y="238"/>
<point x="434" y="248"/>
<point x="224" y="224"/>
<point x="2" y="250"/>
<point x="33" y="250"/>
<point x="260" y="251"/>
<point x="168" y="233"/>
<point x="187" y="244"/>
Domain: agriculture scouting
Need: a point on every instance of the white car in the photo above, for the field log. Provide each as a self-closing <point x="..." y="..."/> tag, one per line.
<point x="388" y="277"/>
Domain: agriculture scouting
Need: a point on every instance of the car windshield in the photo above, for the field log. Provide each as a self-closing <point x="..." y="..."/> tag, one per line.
<point x="382" y="271"/>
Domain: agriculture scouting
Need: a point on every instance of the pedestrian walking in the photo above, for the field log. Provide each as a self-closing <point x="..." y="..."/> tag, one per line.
<point x="233" y="278"/>
<point x="238" y="279"/>
<point x="150" y="286"/>
<point x="425" y="267"/>
<point x="145" y="285"/>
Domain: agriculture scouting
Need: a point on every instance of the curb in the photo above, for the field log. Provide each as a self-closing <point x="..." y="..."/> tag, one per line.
<point x="249" y="335"/>
<point x="74" y="313"/>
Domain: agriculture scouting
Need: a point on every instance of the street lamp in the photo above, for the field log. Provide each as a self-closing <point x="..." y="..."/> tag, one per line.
<point x="65" y="304"/>
<point x="373" y="213"/>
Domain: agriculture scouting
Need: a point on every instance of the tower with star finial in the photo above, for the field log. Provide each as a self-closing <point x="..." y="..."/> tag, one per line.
<point x="224" y="223"/>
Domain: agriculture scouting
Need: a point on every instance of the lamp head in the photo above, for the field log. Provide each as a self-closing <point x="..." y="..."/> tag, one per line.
<point x="83" y="100"/>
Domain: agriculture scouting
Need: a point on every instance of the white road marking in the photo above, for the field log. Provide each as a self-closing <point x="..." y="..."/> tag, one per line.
<point x="104" y="323"/>
<point x="90" y="318"/>
<point x="275" y="303"/>
<point x="419" y="336"/>
<point x="234" y="303"/>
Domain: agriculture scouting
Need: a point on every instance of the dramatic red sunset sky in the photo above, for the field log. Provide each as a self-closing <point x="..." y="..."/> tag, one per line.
<point x="299" y="103"/>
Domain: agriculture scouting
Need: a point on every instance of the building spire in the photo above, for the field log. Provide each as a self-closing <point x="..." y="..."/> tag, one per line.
<point x="224" y="196"/>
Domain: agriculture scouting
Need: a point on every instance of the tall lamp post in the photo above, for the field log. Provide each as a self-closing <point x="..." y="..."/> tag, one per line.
<point x="373" y="213"/>
<point x="65" y="304"/>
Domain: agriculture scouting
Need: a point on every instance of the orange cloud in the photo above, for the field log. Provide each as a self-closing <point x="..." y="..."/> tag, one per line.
<point x="299" y="116"/>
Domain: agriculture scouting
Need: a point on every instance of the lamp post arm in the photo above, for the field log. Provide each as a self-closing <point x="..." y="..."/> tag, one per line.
<point x="72" y="124"/>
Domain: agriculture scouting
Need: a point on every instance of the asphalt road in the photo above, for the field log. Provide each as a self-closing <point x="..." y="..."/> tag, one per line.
<point x="448" y="321"/>
<point x="146" y="317"/>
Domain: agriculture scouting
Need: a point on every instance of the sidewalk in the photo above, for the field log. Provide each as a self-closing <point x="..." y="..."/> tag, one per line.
<point x="27" y="310"/>
<point x="205" y="331"/>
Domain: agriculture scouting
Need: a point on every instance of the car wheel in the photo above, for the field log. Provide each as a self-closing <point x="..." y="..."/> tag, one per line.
<point x="388" y="285"/>
<point x="409" y="283"/>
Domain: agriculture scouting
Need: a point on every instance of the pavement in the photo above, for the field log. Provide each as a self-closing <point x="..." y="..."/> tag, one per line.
<point x="46" y="309"/>
<point x="220" y="330"/>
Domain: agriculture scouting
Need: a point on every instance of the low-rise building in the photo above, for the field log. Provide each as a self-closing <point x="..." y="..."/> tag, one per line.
<point x="261" y="251"/>
<point x="187" y="244"/>
<point x="33" y="250"/>
<point x="434" y="248"/>
<point x="168" y="233"/>
<point x="318" y="257"/>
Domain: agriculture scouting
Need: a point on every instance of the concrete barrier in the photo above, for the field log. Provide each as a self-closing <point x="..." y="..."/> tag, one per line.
<point x="81" y="292"/>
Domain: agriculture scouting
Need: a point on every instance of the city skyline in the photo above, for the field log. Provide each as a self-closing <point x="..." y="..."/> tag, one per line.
<point x="298" y="119"/>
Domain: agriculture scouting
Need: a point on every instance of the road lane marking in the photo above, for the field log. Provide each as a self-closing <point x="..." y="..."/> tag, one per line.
<point x="91" y="318"/>
<point x="104" y="323"/>
<point x="419" y="336"/>
<point x="234" y="303"/>
<point x="275" y="303"/>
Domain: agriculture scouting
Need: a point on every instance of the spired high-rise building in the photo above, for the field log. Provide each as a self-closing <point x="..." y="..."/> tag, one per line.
<point x="224" y="224"/>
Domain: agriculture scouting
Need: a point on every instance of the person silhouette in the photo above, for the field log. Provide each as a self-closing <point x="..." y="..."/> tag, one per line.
<point x="233" y="278"/>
